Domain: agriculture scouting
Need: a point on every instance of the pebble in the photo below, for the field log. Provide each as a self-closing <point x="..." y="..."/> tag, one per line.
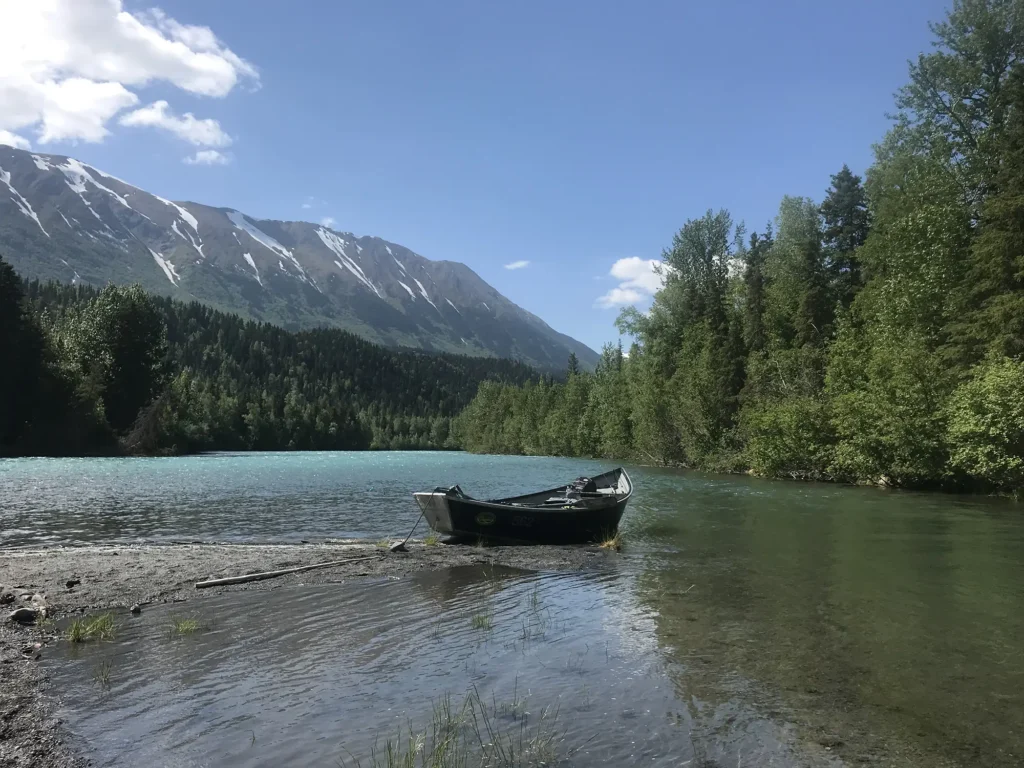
<point x="136" y="609"/>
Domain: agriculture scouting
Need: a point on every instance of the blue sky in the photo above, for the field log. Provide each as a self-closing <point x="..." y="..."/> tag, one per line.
<point x="569" y="135"/>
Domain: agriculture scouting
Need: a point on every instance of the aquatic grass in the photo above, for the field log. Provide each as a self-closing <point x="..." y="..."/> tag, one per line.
<point x="612" y="542"/>
<point x="432" y="539"/>
<point x="482" y="621"/>
<point x="473" y="734"/>
<point x="100" y="627"/>
<point x="182" y="626"/>
<point x="102" y="674"/>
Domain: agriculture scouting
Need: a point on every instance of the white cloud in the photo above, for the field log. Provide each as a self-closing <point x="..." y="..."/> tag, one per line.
<point x="14" y="140"/>
<point x="67" y="67"/>
<point x="327" y="221"/>
<point x="207" y="157"/>
<point x="202" y="133"/>
<point x="517" y="265"/>
<point x="307" y="205"/>
<point x="638" y="278"/>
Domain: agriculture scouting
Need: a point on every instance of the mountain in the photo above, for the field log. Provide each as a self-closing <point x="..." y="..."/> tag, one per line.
<point x="64" y="220"/>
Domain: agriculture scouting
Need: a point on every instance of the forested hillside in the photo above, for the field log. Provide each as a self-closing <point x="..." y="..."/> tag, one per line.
<point x="875" y="336"/>
<point x="120" y="370"/>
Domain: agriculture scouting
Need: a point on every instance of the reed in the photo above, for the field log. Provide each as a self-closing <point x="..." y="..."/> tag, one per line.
<point x="185" y="626"/>
<point x="432" y="539"/>
<point x="613" y="542"/>
<point x="482" y="621"/>
<point x="100" y="627"/>
<point x="473" y="734"/>
<point x="102" y="674"/>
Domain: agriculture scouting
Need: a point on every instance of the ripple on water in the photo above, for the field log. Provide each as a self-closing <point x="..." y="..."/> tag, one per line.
<point x="306" y="675"/>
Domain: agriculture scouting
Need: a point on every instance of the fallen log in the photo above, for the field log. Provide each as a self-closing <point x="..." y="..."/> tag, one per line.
<point x="273" y="574"/>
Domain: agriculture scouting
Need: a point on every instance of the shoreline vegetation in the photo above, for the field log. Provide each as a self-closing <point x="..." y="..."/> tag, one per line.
<point x="876" y="337"/>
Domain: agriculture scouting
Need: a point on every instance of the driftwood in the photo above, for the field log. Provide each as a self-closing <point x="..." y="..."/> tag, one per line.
<point x="275" y="574"/>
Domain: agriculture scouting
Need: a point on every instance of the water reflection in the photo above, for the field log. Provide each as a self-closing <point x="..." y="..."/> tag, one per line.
<point x="309" y="675"/>
<point x="882" y="625"/>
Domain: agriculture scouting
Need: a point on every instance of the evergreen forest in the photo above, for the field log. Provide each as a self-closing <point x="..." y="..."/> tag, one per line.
<point x="873" y="336"/>
<point x="120" y="371"/>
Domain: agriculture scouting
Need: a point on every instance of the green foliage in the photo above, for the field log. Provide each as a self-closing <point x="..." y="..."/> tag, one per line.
<point x="119" y="370"/>
<point x="874" y="338"/>
<point x="986" y="424"/>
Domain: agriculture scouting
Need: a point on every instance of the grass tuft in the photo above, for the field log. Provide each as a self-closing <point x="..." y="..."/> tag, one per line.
<point x="475" y="733"/>
<point x="432" y="539"/>
<point x="100" y="627"/>
<point x="613" y="542"/>
<point x="102" y="674"/>
<point x="383" y="543"/>
<point x="185" y="626"/>
<point x="482" y="621"/>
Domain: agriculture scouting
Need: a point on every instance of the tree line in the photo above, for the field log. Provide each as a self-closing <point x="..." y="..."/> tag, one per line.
<point x="120" y="371"/>
<point x="874" y="337"/>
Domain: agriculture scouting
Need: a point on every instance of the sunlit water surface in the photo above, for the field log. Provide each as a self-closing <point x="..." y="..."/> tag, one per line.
<point x="745" y="623"/>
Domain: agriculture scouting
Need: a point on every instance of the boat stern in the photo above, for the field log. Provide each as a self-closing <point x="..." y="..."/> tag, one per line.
<point x="435" y="510"/>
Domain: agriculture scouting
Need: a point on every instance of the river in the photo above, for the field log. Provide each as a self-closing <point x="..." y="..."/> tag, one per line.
<point x="746" y="622"/>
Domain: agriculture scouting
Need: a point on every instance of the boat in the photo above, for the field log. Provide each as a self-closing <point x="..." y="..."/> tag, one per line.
<point x="586" y="509"/>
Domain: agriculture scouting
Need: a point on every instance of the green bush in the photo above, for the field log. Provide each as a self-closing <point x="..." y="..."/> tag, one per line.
<point x="986" y="425"/>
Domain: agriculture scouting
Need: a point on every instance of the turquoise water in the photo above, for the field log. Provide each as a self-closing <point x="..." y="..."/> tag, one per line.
<point x="249" y="497"/>
<point x="745" y="623"/>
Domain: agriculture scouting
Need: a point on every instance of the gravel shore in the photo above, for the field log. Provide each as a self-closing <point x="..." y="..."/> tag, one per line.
<point x="117" y="577"/>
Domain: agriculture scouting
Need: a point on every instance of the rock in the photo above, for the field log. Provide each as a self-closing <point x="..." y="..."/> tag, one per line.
<point x="6" y="595"/>
<point x="136" y="609"/>
<point x="72" y="583"/>
<point x="23" y="615"/>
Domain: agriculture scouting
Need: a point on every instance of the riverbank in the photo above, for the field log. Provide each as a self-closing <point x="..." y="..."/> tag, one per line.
<point x="117" y="577"/>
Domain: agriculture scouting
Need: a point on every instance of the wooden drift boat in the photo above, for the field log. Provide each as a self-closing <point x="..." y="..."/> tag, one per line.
<point x="587" y="509"/>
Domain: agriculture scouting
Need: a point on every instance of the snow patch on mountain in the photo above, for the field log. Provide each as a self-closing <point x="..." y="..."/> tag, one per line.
<point x="423" y="293"/>
<point x="261" y="237"/>
<point x="65" y="219"/>
<point x="41" y="164"/>
<point x="337" y="245"/>
<point x="21" y="202"/>
<point x="79" y="173"/>
<point x="400" y="265"/>
<point x="187" y="217"/>
<point x="452" y="305"/>
<point x="485" y="306"/>
<point x="248" y="258"/>
<point x="410" y="290"/>
<point x="386" y="248"/>
<point x="166" y="266"/>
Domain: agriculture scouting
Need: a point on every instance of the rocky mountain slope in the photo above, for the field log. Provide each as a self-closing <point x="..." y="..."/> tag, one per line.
<point x="62" y="219"/>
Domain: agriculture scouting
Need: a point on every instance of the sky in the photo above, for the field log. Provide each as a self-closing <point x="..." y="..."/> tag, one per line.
<point x="554" y="147"/>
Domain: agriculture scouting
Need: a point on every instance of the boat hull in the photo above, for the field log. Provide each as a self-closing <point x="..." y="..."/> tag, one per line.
<point x="591" y="514"/>
<point x="472" y="519"/>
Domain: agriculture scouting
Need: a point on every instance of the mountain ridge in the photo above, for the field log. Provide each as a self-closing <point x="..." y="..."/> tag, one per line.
<point x="63" y="219"/>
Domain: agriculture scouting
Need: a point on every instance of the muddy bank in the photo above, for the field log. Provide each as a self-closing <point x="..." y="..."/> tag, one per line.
<point x="118" y="577"/>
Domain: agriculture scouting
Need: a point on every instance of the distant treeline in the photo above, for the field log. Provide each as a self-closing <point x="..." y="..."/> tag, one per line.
<point x="117" y="370"/>
<point x="876" y="337"/>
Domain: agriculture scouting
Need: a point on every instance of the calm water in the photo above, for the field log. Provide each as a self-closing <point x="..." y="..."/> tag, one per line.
<point x="746" y="622"/>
